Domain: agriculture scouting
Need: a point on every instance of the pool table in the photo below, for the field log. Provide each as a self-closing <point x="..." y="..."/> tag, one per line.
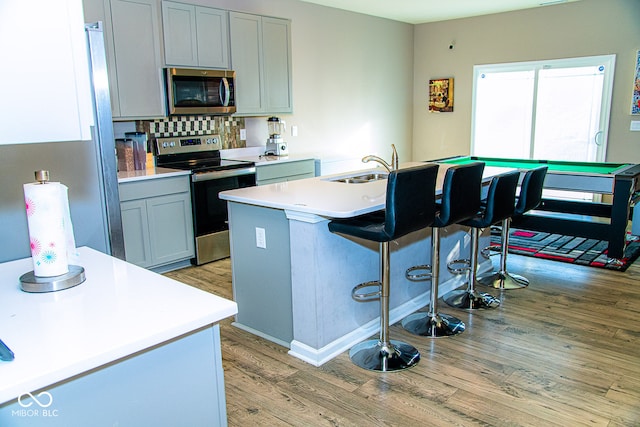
<point x="605" y="220"/>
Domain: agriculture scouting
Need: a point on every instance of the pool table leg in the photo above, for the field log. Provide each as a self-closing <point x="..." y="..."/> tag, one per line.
<point x="619" y="218"/>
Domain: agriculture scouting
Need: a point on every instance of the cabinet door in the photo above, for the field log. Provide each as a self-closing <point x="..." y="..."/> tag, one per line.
<point x="137" y="59"/>
<point x="276" y="54"/>
<point x="246" y="45"/>
<point x="179" y="29"/>
<point x="289" y="171"/>
<point x="136" y="232"/>
<point x="45" y="86"/>
<point x="170" y="228"/>
<point x="213" y="37"/>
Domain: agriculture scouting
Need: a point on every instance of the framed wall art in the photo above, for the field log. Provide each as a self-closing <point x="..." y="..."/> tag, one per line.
<point x="441" y="95"/>
<point x="635" y="97"/>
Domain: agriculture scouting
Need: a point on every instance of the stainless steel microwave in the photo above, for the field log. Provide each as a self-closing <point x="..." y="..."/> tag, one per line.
<point x="200" y="91"/>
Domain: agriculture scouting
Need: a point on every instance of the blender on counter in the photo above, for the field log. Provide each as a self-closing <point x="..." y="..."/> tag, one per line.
<point x="276" y="146"/>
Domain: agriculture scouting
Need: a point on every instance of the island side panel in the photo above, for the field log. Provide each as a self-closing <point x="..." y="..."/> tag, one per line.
<point x="326" y="267"/>
<point x="176" y="383"/>
<point x="261" y="276"/>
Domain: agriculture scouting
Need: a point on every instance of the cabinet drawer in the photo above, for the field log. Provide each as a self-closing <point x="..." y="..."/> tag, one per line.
<point x="153" y="187"/>
<point x="282" y="170"/>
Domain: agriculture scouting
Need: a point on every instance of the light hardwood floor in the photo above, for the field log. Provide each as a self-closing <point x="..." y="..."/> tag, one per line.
<point x="565" y="351"/>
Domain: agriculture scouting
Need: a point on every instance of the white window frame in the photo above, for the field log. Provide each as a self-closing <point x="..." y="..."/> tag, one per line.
<point x="607" y="60"/>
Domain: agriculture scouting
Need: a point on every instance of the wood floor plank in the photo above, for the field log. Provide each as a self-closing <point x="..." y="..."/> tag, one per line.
<point x="565" y="351"/>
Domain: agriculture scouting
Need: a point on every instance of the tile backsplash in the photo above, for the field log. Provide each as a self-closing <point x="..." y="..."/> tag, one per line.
<point x="227" y="127"/>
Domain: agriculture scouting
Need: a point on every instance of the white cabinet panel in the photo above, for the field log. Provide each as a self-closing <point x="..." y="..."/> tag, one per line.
<point x="44" y="82"/>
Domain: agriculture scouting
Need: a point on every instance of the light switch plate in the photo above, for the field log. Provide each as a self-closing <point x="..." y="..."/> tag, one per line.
<point x="635" y="126"/>
<point x="261" y="238"/>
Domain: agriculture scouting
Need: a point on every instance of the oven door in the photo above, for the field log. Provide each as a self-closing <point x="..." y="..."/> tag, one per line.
<point x="210" y="216"/>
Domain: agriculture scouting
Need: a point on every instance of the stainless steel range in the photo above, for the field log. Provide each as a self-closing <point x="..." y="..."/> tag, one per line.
<point x="210" y="174"/>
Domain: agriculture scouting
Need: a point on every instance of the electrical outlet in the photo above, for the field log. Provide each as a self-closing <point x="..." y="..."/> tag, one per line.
<point x="261" y="238"/>
<point x="294" y="130"/>
<point x="243" y="134"/>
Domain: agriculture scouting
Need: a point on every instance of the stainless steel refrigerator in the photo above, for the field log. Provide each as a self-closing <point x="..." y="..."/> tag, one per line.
<point x="87" y="168"/>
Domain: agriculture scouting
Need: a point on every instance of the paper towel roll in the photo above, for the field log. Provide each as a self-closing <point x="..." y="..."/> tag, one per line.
<point x="50" y="229"/>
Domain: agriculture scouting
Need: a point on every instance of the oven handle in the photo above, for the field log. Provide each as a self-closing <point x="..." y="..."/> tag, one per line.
<point x="208" y="176"/>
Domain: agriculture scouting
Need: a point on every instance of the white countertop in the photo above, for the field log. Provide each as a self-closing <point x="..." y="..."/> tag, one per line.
<point x="119" y="310"/>
<point x="321" y="196"/>
<point x="150" y="173"/>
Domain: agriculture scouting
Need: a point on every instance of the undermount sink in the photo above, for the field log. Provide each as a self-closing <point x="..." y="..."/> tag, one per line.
<point x="361" y="178"/>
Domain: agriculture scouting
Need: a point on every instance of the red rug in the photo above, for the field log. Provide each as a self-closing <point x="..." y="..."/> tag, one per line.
<point x="570" y="249"/>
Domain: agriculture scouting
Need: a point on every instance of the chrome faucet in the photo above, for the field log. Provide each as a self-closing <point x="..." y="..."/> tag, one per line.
<point x="387" y="166"/>
<point x="394" y="157"/>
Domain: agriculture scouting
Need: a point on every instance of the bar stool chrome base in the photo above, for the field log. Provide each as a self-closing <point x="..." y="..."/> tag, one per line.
<point x="466" y="299"/>
<point x="433" y="325"/>
<point x="469" y="298"/>
<point x="504" y="280"/>
<point x="375" y="356"/>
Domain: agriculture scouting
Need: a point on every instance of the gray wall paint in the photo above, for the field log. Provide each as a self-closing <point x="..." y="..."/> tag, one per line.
<point x="71" y="163"/>
<point x="583" y="28"/>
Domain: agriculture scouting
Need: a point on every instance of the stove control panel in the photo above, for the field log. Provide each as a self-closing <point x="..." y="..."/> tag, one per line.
<point x="188" y="144"/>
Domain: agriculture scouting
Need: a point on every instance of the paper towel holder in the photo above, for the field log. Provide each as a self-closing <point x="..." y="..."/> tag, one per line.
<point x="29" y="282"/>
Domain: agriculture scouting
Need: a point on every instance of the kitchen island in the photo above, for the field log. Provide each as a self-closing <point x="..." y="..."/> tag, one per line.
<point x="292" y="278"/>
<point x="125" y="347"/>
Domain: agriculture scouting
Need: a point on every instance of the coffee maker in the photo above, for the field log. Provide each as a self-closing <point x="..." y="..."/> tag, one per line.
<point x="276" y="146"/>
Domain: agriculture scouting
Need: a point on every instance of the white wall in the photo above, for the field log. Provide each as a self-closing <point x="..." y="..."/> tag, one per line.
<point x="352" y="78"/>
<point x="584" y="28"/>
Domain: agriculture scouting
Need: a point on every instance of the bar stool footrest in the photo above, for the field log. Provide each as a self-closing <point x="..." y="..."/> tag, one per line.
<point x="414" y="275"/>
<point x="459" y="266"/>
<point x="367" y="296"/>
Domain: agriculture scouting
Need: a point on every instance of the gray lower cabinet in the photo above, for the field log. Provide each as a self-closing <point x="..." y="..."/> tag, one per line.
<point x="157" y="222"/>
<point x="288" y="171"/>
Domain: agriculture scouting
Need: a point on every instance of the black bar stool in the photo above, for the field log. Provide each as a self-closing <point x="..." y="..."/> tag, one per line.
<point x="498" y="205"/>
<point x="410" y="206"/>
<point x="529" y="198"/>
<point x="461" y="193"/>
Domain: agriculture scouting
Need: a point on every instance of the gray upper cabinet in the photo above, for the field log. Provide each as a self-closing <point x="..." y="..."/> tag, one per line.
<point x="261" y="58"/>
<point x="276" y="48"/>
<point x="195" y="36"/>
<point x="134" y="57"/>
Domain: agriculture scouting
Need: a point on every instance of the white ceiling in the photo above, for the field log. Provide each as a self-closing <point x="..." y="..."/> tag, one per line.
<point x="421" y="11"/>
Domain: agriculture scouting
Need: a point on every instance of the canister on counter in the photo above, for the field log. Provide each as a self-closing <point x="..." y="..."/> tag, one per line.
<point x="139" y="149"/>
<point x="125" y="153"/>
